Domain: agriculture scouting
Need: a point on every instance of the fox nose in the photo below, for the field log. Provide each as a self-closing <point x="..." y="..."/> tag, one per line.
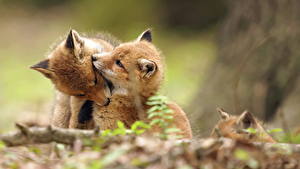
<point x="107" y="102"/>
<point x="94" y="58"/>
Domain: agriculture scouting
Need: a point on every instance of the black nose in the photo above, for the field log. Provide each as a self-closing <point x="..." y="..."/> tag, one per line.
<point x="94" y="58"/>
<point x="149" y="68"/>
<point x="107" y="102"/>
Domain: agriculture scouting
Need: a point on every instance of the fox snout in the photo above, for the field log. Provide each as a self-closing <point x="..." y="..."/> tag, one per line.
<point x="106" y="103"/>
<point x="102" y="101"/>
<point x="102" y="62"/>
<point x="96" y="59"/>
<point x="97" y="56"/>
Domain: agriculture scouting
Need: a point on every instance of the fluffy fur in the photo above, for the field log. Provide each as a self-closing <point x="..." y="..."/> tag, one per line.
<point x="234" y="127"/>
<point x="136" y="71"/>
<point x="69" y="67"/>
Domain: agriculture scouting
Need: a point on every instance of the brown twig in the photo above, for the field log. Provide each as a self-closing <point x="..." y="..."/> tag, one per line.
<point x="35" y="135"/>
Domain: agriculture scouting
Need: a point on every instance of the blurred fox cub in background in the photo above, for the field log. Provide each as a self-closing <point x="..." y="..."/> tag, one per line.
<point x="69" y="67"/>
<point x="135" y="70"/>
<point x="237" y="128"/>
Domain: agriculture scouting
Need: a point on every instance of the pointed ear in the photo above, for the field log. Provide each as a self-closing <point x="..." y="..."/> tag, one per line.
<point x="223" y="114"/>
<point x="43" y="67"/>
<point x="246" y="119"/>
<point x="74" y="42"/>
<point x="147" y="67"/>
<point x="146" y="35"/>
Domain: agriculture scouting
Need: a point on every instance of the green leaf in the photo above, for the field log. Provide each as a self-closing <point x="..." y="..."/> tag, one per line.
<point x="120" y="125"/>
<point x="139" y="124"/>
<point x="172" y="130"/>
<point x="118" y="131"/>
<point x="168" y="117"/>
<point x="139" y="127"/>
<point x="152" y="103"/>
<point x="168" y="111"/>
<point x="139" y="132"/>
<point x="157" y="114"/>
<point x="106" y="132"/>
<point x="2" y="145"/>
<point x="251" y="130"/>
<point x="157" y="97"/>
<point x="276" y="130"/>
<point x="156" y="121"/>
<point x="153" y="98"/>
<point x="163" y="107"/>
<point x="35" y="150"/>
<point x="95" y="164"/>
<point x="153" y="109"/>
<point x="241" y="154"/>
<point x="139" y="163"/>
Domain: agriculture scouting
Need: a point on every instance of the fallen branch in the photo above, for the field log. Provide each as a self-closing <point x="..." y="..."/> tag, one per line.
<point x="35" y="135"/>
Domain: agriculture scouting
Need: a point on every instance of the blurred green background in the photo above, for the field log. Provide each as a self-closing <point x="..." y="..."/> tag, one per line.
<point x="219" y="53"/>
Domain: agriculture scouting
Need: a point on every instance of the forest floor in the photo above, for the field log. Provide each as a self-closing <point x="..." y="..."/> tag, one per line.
<point x="132" y="151"/>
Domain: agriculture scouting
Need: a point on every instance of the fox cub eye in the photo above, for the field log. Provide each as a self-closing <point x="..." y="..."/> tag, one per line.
<point x="118" y="62"/>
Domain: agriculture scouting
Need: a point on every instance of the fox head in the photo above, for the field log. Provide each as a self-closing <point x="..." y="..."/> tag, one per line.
<point x="238" y="128"/>
<point x="69" y="66"/>
<point x="135" y="64"/>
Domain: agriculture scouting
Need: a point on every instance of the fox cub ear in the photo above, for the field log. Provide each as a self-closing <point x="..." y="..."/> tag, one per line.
<point x="74" y="42"/>
<point x="147" y="67"/>
<point x="224" y="115"/>
<point x="246" y="119"/>
<point x="146" y="35"/>
<point x="43" y="67"/>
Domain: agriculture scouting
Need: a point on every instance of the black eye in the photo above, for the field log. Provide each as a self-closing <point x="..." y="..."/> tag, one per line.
<point x="118" y="62"/>
<point x="80" y="95"/>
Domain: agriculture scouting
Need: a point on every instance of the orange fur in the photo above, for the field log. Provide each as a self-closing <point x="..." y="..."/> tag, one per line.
<point x="69" y="67"/>
<point x="136" y="71"/>
<point x="234" y="127"/>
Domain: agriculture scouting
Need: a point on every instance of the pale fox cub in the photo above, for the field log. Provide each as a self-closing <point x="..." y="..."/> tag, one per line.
<point x="238" y="128"/>
<point x="135" y="70"/>
<point x="69" y="66"/>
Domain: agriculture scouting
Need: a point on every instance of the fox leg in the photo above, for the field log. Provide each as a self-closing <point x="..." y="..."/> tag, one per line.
<point x="76" y="104"/>
<point x="61" y="112"/>
<point x="85" y="115"/>
<point x="81" y="113"/>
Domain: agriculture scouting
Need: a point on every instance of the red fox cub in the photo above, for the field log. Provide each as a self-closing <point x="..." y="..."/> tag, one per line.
<point x="69" y="67"/>
<point x="135" y="70"/>
<point x="237" y="128"/>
